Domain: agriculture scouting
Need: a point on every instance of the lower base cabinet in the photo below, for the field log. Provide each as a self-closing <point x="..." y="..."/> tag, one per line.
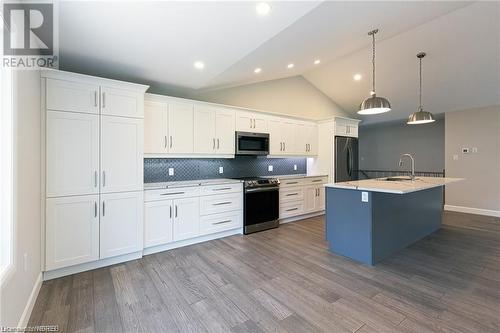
<point x="314" y="199"/>
<point x="299" y="196"/>
<point x="186" y="215"/>
<point x="158" y="228"/>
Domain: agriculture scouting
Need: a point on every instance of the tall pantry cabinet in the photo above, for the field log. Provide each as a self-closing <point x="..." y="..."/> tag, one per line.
<point x="92" y="136"/>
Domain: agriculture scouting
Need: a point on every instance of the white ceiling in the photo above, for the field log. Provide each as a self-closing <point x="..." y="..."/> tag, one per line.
<point x="157" y="42"/>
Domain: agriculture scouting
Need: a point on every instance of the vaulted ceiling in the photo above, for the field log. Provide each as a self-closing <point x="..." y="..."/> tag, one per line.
<point x="158" y="42"/>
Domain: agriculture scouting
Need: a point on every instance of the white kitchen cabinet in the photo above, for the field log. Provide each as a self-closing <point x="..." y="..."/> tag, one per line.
<point x="71" y="231"/>
<point x="220" y="222"/>
<point x="158" y="222"/>
<point x="346" y="127"/>
<point x="72" y="153"/>
<point x="205" y="137"/>
<point x="122" y="102"/>
<point x="121" y="227"/>
<point x="225" y="132"/>
<point x="314" y="198"/>
<point x="186" y="218"/>
<point x="180" y="127"/>
<point x="62" y="95"/>
<point x="156" y="130"/>
<point x="300" y="196"/>
<point x="251" y="122"/>
<point x="121" y="154"/>
<point x="311" y="136"/>
<point x="282" y="134"/>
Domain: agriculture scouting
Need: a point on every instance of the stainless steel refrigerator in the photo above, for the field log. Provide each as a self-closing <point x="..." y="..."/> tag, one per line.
<point x="346" y="159"/>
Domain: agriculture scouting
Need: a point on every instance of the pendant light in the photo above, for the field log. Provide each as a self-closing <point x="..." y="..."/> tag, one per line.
<point x="420" y="116"/>
<point x="374" y="104"/>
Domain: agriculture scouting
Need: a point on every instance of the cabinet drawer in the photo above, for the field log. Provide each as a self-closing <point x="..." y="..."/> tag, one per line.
<point x="290" y="209"/>
<point x="291" y="182"/>
<point x="291" y="194"/>
<point x="220" y="222"/>
<point x="221" y="189"/>
<point x="220" y="203"/>
<point x="171" y="193"/>
<point x="315" y="180"/>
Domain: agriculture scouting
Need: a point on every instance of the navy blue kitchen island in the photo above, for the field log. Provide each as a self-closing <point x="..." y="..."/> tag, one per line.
<point x="370" y="220"/>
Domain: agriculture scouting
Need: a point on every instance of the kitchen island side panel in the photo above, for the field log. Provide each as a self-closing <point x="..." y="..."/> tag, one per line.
<point x="402" y="219"/>
<point x="349" y="224"/>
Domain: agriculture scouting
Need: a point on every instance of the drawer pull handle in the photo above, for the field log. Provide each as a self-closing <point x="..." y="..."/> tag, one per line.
<point x="290" y="194"/>
<point x="222" y="203"/>
<point x="221" y="189"/>
<point x="173" y="193"/>
<point x="221" y="222"/>
<point x="292" y="209"/>
<point x="290" y="183"/>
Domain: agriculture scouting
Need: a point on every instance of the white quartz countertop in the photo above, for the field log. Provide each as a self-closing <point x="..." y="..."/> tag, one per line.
<point x="188" y="183"/>
<point x="297" y="176"/>
<point x="396" y="187"/>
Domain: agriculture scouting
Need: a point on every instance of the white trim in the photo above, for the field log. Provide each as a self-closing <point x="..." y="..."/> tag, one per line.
<point x="471" y="210"/>
<point x="188" y="155"/>
<point x="49" y="275"/>
<point x="191" y="241"/>
<point x="25" y="317"/>
<point x="301" y="217"/>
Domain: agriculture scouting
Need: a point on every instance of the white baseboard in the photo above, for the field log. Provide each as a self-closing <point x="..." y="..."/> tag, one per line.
<point x="301" y="217"/>
<point x="471" y="210"/>
<point x="25" y="317"/>
<point x="191" y="241"/>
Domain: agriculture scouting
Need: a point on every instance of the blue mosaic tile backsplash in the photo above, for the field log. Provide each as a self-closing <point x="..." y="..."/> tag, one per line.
<point x="156" y="169"/>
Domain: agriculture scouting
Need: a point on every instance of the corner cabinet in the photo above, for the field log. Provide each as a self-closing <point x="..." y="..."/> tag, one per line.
<point x="92" y="138"/>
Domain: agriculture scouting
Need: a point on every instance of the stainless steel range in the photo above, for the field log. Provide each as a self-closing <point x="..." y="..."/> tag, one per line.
<point x="260" y="204"/>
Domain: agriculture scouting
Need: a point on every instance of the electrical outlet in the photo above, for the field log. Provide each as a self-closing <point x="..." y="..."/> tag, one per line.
<point x="170" y="171"/>
<point x="295" y="167"/>
<point x="364" y="196"/>
<point x="221" y="169"/>
<point x="474" y="150"/>
<point x="25" y="257"/>
<point x="270" y="168"/>
<point x="465" y="150"/>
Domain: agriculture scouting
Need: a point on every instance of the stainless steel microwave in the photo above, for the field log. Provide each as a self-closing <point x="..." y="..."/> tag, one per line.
<point x="252" y="143"/>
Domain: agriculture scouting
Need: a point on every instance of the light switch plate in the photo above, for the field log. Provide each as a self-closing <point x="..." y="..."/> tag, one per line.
<point x="221" y="169"/>
<point x="364" y="196"/>
<point x="170" y="171"/>
<point x="270" y="168"/>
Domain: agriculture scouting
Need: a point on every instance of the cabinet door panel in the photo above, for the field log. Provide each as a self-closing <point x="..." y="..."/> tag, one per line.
<point x="288" y="135"/>
<point x="121" y="227"/>
<point x="155" y="128"/>
<point x="204" y="130"/>
<point x="186" y="218"/>
<point x="72" y="96"/>
<point x="225" y="131"/>
<point x="72" y="231"/>
<point x="220" y="222"/>
<point x="180" y="127"/>
<point x="312" y="138"/>
<point x="320" y="199"/>
<point x="244" y="122"/>
<point x="72" y="154"/>
<point x="158" y="219"/>
<point x="310" y="198"/>
<point x="121" y="154"/>
<point x="275" y="137"/>
<point x="301" y="139"/>
<point x="122" y="102"/>
<point x="260" y="124"/>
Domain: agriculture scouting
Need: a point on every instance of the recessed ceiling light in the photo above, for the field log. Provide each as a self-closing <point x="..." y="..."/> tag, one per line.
<point x="357" y="77"/>
<point x="317" y="62"/>
<point x="257" y="70"/>
<point x="263" y="8"/>
<point x="290" y="66"/>
<point x="199" y="65"/>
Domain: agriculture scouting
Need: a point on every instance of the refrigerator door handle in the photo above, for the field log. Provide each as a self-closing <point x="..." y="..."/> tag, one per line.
<point x="349" y="161"/>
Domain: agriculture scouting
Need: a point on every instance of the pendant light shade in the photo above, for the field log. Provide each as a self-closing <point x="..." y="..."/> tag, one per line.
<point x="374" y="104"/>
<point x="420" y="116"/>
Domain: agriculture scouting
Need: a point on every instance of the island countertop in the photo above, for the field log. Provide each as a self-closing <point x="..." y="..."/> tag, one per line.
<point x="396" y="187"/>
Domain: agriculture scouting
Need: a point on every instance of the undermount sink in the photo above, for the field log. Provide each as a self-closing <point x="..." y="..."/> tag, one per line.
<point x="397" y="179"/>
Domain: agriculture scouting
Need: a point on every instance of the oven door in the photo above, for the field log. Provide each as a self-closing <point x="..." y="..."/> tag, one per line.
<point x="261" y="209"/>
<point x="252" y="143"/>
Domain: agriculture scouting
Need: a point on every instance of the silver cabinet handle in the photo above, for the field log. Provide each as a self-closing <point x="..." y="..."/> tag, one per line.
<point x="218" y="146"/>
<point x="281" y="146"/>
<point x="103" y="178"/>
<point x="175" y="210"/>
<point x="254" y="125"/>
<point x="172" y="193"/>
<point x="221" y="203"/>
<point x="171" y="141"/>
<point x="95" y="208"/>
<point x="291" y="194"/>
<point x="317" y="180"/>
<point x="226" y="221"/>
<point x="221" y="189"/>
<point x="103" y="99"/>
<point x="95" y="178"/>
<point x="95" y="98"/>
<point x="292" y="209"/>
<point x="103" y="208"/>
<point x="250" y="123"/>
<point x="284" y="146"/>
<point x="165" y="140"/>
<point x="170" y="211"/>
<point x="291" y="183"/>
<point x="213" y="146"/>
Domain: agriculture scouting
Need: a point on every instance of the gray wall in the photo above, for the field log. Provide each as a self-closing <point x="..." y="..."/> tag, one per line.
<point x="478" y="128"/>
<point x="380" y="146"/>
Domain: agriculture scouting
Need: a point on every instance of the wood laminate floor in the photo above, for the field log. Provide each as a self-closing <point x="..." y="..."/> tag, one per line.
<point x="286" y="280"/>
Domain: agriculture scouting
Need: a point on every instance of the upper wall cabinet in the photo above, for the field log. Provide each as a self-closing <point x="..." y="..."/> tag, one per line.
<point x="72" y="96"/>
<point x="155" y="128"/>
<point x="180" y="127"/>
<point x="213" y="130"/>
<point x="346" y="127"/>
<point x="121" y="102"/>
<point x="251" y="122"/>
<point x="306" y="139"/>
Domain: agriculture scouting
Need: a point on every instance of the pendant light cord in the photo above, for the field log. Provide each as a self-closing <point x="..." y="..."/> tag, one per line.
<point x="420" y="56"/>
<point x="373" y="61"/>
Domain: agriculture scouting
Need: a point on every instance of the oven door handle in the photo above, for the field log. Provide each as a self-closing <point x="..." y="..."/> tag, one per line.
<point x="265" y="189"/>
